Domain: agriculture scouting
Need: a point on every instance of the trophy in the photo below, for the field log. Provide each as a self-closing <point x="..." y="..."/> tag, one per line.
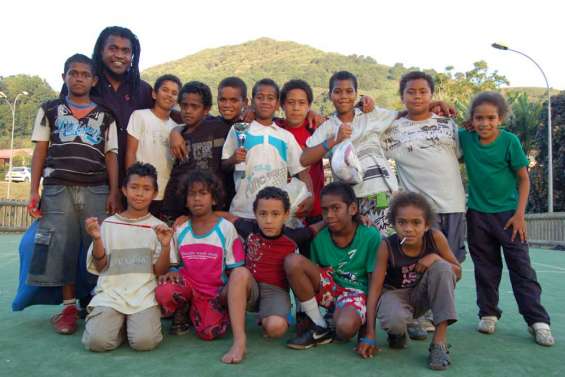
<point x="240" y="131"/>
<point x="241" y="134"/>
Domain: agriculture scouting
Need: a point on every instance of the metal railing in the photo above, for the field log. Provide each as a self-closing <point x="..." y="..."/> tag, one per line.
<point x="544" y="229"/>
<point x="14" y="216"/>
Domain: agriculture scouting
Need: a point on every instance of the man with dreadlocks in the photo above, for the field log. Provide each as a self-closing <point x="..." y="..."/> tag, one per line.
<point x="120" y="88"/>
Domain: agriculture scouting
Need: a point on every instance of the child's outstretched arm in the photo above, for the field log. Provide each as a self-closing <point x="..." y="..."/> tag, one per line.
<point x="311" y="155"/>
<point x="131" y="150"/>
<point x="518" y="220"/>
<point x="226" y="215"/>
<point x="306" y="205"/>
<point x="367" y="347"/>
<point x="164" y="235"/>
<point x="177" y="144"/>
<point x="98" y="252"/>
<point x="445" y="253"/>
<point x="37" y="164"/>
<point x="113" y="203"/>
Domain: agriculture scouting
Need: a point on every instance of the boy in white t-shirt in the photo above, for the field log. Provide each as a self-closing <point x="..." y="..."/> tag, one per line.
<point x="129" y="250"/>
<point x="425" y="147"/>
<point x="363" y="130"/>
<point x="148" y="135"/>
<point x="270" y="154"/>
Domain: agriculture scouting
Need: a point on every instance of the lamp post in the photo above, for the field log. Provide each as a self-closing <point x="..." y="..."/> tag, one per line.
<point x="549" y="142"/>
<point x="13" y="109"/>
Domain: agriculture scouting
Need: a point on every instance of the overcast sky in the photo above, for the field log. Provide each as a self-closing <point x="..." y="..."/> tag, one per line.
<point x="37" y="37"/>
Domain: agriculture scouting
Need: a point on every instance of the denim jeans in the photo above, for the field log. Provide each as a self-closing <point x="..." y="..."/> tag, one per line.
<point x="61" y="233"/>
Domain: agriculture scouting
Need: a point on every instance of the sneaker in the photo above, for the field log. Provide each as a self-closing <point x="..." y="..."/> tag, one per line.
<point x="542" y="333"/>
<point x="416" y="331"/>
<point x="303" y="323"/>
<point x="397" y="341"/>
<point x="66" y="322"/>
<point x="438" y="358"/>
<point x="487" y="325"/>
<point x="180" y="324"/>
<point x="313" y="337"/>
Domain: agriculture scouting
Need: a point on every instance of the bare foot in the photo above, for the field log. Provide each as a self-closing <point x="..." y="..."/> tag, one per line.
<point x="235" y="354"/>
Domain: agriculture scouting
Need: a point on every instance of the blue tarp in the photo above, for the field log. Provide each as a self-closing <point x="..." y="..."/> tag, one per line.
<point x="28" y="295"/>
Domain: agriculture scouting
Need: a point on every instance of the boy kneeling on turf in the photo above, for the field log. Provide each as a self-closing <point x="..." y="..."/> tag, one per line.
<point x="129" y="250"/>
<point x="342" y="260"/>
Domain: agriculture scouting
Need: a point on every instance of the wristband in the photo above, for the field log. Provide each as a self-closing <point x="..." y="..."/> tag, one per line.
<point x="370" y="342"/>
<point x="326" y="146"/>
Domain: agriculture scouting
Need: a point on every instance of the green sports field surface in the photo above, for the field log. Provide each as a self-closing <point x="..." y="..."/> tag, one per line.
<point x="29" y="347"/>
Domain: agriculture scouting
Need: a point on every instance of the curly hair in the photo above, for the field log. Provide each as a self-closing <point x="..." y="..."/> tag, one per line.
<point x="142" y="170"/>
<point x="207" y="179"/>
<point x="407" y="199"/>
<point x="197" y="87"/>
<point x="492" y="98"/>
<point x="415" y="75"/>
<point x="271" y="192"/>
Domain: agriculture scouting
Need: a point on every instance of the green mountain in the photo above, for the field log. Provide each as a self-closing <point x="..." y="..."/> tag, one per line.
<point x="282" y="61"/>
<point x="534" y="93"/>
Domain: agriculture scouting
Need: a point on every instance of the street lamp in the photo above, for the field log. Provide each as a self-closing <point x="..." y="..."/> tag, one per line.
<point x="13" y="109"/>
<point x="549" y="142"/>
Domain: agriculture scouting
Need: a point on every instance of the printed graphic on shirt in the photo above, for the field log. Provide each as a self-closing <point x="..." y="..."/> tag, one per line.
<point x="130" y="261"/>
<point x="340" y="269"/>
<point x="254" y="247"/>
<point x="409" y="275"/>
<point x="413" y="135"/>
<point x="88" y="129"/>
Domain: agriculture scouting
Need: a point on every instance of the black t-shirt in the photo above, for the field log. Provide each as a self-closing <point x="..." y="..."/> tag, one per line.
<point x="401" y="268"/>
<point x="204" y="146"/>
<point x="122" y="103"/>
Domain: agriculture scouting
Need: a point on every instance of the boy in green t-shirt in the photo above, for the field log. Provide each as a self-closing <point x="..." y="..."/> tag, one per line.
<point x="498" y="190"/>
<point x="342" y="259"/>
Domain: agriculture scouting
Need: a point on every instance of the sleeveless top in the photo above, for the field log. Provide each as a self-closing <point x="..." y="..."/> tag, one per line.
<point x="76" y="154"/>
<point x="401" y="268"/>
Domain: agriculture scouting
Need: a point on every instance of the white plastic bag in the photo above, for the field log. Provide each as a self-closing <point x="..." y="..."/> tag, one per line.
<point x="297" y="193"/>
<point x="345" y="163"/>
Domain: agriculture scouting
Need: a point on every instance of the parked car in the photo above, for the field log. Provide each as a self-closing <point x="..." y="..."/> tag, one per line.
<point x="18" y="174"/>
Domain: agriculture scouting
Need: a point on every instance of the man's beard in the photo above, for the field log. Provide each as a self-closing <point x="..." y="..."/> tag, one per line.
<point x="116" y="76"/>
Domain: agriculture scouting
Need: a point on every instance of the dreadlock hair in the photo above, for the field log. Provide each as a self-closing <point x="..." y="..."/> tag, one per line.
<point x="133" y="74"/>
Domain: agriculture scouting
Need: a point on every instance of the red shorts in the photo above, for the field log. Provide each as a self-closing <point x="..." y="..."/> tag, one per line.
<point x="207" y="314"/>
<point x="332" y="295"/>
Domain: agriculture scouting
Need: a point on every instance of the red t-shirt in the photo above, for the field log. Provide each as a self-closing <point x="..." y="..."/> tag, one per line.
<point x="264" y="256"/>
<point x="301" y="134"/>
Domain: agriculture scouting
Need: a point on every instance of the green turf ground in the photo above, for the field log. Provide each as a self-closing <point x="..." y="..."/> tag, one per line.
<point x="28" y="346"/>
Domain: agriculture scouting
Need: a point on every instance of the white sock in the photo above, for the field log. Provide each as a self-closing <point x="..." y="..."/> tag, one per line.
<point x="71" y="301"/>
<point x="311" y="309"/>
<point x="540" y="326"/>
